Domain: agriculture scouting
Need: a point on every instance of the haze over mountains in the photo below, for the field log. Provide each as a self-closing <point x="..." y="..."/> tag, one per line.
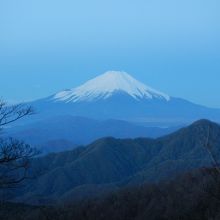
<point x="94" y="142"/>
<point x="110" y="163"/>
<point x="66" y="132"/>
<point x="107" y="109"/>
<point x="113" y="104"/>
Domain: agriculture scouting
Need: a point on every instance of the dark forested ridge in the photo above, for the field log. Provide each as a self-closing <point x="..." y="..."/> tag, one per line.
<point x="109" y="164"/>
<point x="193" y="196"/>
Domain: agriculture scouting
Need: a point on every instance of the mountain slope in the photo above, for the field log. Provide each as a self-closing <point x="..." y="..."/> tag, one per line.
<point x="198" y="191"/>
<point x="116" y="95"/>
<point x="118" y="162"/>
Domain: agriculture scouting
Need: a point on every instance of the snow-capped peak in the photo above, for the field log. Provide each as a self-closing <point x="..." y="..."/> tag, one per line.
<point x="107" y="84"/>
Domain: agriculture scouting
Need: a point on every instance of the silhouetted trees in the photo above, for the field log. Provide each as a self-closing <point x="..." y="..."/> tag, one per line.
<point x="182" y="199"/>
<point x="212" y="187"/>
<point x="14" y="155"/>
<point x="12" y="113"/>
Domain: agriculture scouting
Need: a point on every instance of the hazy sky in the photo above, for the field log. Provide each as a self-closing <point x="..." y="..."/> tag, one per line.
<point x="49" y="45"/>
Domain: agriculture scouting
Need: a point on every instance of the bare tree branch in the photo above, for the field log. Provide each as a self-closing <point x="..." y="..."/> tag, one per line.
<point x="14" y="162"/>
<point x="14" y="155"/>
<point x="12" y="113"/>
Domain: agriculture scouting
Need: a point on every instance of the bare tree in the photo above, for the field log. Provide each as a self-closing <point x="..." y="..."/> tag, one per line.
<point x="14" y="155"/>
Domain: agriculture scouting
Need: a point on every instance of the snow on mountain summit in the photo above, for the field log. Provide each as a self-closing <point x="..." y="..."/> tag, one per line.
<point x="106" y="85"/>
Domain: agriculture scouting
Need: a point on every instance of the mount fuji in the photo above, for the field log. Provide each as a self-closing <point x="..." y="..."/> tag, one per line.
<point x="117" y="95"/>
<point x="106" y="86"/>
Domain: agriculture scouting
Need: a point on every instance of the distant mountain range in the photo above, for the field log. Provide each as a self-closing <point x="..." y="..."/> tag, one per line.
<point x="110" y="163"/>
<point x="61" y="133"/>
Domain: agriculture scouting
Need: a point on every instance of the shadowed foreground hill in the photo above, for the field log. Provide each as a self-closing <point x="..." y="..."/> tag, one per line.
<point x="193" y="196"/>
<point x="109" y="164"/>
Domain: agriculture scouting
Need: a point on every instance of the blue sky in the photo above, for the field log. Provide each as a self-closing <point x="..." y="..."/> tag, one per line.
<point x="173" y="46"/>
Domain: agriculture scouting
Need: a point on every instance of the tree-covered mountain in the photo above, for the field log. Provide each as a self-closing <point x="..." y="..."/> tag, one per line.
<point x="108" y="164"/>
<point x="192" y="196"/>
